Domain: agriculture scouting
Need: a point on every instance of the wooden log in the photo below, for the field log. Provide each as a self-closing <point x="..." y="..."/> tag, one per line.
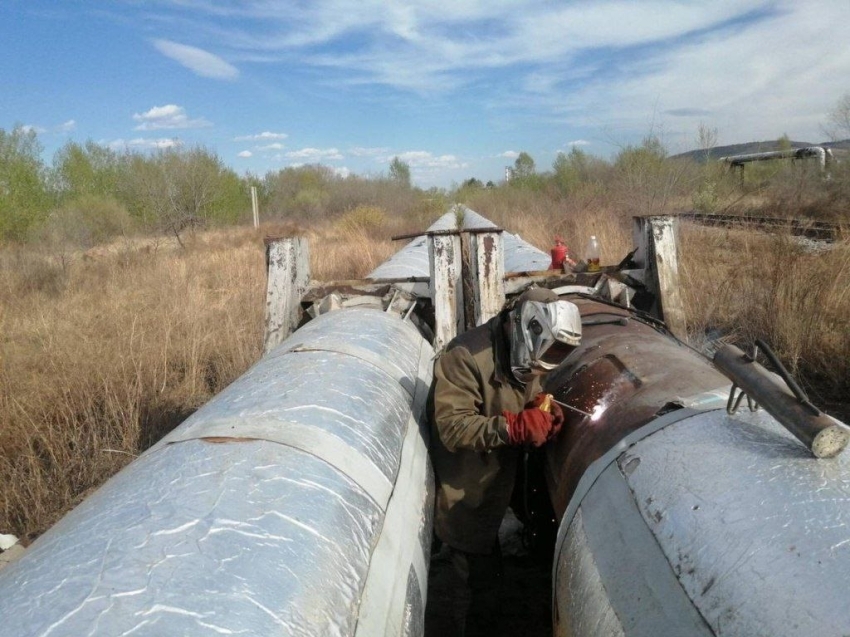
<point x="288" y="264"/>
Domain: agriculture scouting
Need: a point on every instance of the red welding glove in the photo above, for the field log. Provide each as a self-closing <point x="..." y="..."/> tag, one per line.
<point x="528" y="427"/>
<point x="544" y="402"/>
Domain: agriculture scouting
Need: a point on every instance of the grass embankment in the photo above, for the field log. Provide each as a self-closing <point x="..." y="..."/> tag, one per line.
<point x="103" y="352"/>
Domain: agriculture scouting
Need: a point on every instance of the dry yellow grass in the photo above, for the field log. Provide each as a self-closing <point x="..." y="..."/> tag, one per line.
<point x="790" y="292"/>
<point x="538" y="218"/>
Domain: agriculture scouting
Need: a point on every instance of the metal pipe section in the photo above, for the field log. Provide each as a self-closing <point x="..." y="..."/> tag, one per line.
<point x="681" y="519"/>
<point x="821" y="434"/>
<point x="296" y="502"/>
<point x="793" y="153"/>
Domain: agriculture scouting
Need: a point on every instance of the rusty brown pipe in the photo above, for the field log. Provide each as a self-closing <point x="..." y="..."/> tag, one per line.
<point x="822" y="435"/>
<point x="623" y="375"/>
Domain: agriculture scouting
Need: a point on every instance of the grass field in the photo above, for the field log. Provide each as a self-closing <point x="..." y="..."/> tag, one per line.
<point x="104" y="351"/>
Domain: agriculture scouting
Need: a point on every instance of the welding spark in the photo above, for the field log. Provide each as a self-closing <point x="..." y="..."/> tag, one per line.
<point x="598" y="411"/>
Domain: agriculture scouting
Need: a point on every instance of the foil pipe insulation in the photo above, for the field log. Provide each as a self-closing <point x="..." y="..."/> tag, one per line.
<point x="413" y="261"/>
<point x="296" y="502"/>
<point x="677" y="518"/>
<point x="706" y="524"/>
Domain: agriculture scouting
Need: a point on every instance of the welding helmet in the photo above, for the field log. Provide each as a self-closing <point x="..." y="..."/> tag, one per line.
<point x="543" y="331"/>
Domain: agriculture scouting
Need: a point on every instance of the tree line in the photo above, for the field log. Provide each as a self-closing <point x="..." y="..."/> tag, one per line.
<point x="91" y="192"/>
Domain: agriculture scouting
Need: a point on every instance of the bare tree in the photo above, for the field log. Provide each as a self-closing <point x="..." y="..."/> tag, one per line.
<point x="707" y="140"/>
<point x="400" y="172"/>
<point x="182" y="190"/>
<point x="838" y="120"/>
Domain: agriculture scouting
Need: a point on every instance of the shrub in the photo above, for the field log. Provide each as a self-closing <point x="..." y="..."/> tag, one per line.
<point x="88" y="221"/>
<point x="309" y="202"/>
<point x="28" y="272"/>
<point x="363" y="218"/>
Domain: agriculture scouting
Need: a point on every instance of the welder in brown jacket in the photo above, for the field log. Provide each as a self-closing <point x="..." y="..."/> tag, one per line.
<point x="486" y="410"/>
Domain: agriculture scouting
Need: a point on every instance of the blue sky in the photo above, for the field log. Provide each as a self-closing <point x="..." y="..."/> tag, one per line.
<point x="454" y="88"/>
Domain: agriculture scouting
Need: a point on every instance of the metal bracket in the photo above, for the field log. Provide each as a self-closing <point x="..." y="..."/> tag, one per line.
<point x="733" y="403"/>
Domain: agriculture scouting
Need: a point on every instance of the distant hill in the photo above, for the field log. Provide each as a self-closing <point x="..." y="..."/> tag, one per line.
<point x="757" y="147"/>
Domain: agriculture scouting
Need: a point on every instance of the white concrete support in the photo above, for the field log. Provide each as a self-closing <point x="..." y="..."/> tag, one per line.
<point x="488" y="275"/>
<point x="655" y="238"/>
<point x="444" y="252"/>
<point x="288" y="263"/>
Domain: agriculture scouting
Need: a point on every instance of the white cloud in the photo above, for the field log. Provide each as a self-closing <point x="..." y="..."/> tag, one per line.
<point x="30" y="128"/>
<point x="424" y="159"/>
<point x="197" y="60"/>
<point x="168" y="116"/>
<point x="342" y="171"/>
<point x="427" y="44"/>
<point x="509" y="154"/>
<point x="360" y="151"/>
<point x="621" y="67"/>
<point x="578" y="142"/>
<point x="260" y="137"/>
<point x="728" y="80"/>
<point x="67" y="127"/>
<point x="312" y="155"/>
<point x="245" y="153"/>
<point x="275" y="146"/>
<point x="162" y="143"/>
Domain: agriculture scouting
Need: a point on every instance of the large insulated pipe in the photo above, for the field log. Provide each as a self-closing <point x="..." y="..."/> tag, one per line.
<point x="412" y="260"/>
<point x="296" y="502"/>
<point x="624" y="374"/>
<point x="681" y="519"/>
